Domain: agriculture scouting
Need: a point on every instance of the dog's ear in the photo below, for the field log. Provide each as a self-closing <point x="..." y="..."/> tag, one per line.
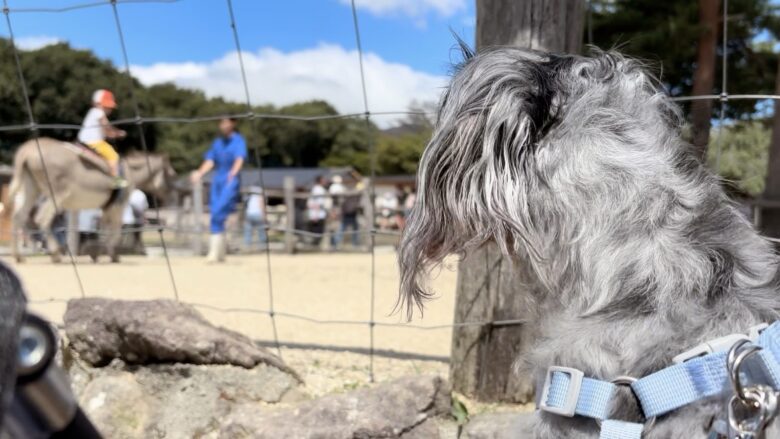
<point x="626" y="85"/>
<point x="465" y="50"/>
<point x="472" y="179"/>
<point x="612" y="67"/>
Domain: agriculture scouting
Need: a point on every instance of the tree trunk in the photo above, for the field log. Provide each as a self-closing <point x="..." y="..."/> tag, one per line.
<point x="770" y="218"/>
<point x="704" y="75"/>
<point x="489" y="287"/>
<point x="551" y="26"/>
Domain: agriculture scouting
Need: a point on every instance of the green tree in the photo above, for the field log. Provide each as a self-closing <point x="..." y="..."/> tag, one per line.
<point x="299" y="142"/>
<point x="400" y="154"/>
<point x="185" y="143"/>
<point x="744" y="150"/>
<point x="398" y="149"/>
<point x="60" y="81"/>
<point x="665" y="35"/>
<point x="352" y="146"/>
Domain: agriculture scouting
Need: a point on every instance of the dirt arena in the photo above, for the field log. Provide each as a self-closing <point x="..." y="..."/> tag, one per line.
<point x="319" y="286"/>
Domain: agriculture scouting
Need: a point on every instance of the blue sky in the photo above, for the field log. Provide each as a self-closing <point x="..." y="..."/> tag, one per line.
<point x="295" y="49"/>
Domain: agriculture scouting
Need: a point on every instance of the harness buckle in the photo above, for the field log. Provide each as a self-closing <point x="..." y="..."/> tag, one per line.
<point x="756" y="330"/>
<point x="719" y="344"/>
<point x="628" y="381"/>
<point x="572" y="391"/>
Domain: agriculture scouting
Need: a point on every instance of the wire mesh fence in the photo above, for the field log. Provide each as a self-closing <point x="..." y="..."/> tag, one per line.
<point x="368" y="229"/>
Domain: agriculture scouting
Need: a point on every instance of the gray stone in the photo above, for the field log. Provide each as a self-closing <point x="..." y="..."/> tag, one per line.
<point x="428" y="429"/>
<point x="157" y="331"/>
<point x="393" y="410"/>
<point x="495" y="426"/>
<point x="448" y="428"/>
<point x="230" y="383"/>
<point x="117" y="406"/>
<point x="173" y="400"/>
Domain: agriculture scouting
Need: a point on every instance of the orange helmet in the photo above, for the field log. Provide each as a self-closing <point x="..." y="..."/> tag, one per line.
<point x="104" y="97"/>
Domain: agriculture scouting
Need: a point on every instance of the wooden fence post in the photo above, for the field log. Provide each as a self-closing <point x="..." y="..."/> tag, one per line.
<point x="289" y="223"/>
<point x="197" y="215"/>
<point x="483" y="356"/>
<point x="489" y="287"/>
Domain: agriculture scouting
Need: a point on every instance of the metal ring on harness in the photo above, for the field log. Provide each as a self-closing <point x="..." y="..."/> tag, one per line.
<point x="625" y="380"/>
<point x="734" y="362"/>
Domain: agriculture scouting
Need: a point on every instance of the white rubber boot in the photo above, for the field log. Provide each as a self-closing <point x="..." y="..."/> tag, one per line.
<point x="222" y="247"/>
<point x="214" y="248"/>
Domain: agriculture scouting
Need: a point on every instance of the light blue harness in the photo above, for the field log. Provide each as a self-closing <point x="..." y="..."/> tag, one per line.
<point x="697" y="374"/>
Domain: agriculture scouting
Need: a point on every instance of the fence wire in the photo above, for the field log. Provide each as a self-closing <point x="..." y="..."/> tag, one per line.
<point x="31" y="116"/>
<point x="293" y="316"/>
<point x="86" y="5"/>
<point x="371" y="190"/>
<point x="237" y="42"/>
<point x="196" y="231"/>
<point x="724" y="95"/>
<point x="141" y="134"/>
<point x="211" y="118"/>
<point x="139" y="120"/>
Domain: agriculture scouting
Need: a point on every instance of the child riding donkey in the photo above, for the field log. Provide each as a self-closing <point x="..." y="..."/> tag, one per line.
<point x="96" y="129"/>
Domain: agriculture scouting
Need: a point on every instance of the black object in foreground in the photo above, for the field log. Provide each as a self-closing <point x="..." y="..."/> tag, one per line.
<point x="41" y="402"/>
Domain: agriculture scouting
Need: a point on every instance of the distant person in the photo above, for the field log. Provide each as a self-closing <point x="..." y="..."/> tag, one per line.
<point x="226" y="156"/>
<point x="254" y="217"/>
<point x="350" y="209"/>
<point x="59" y="228"/>
<point x="96" y="129"/>
<point x="317" y="210"/>
<point x="388" y="209"/>
<point x="336" y="191"/>
<point x="88" y="226"/>
<point x="134" y="218"/>
<point x="337" y="186"/>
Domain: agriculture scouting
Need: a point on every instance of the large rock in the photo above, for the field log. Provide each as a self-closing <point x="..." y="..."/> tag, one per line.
<point x="398" y="409"/>
<point x="432" y="428"/>
<point x="156" y="331"/>
<point x="498" y="426"/>
<point x="117" y="405"/>
<point x="174" y="400"/>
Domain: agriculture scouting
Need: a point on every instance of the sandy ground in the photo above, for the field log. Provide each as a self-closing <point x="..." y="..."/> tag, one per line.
<point x="318" y="286"/>
<point x="332" y="358"/>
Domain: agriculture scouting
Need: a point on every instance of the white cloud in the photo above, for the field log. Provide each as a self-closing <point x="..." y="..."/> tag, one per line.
<point x="413" y="8"/>
<point x="327" y="72"/>
<point x="35" y="42"/>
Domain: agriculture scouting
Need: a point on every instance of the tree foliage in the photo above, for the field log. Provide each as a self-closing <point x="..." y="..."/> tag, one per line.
<point x="664" y="34"/>
<point x="61" y="80"/>
<point x="744" y="151"/>
<point x="398" y="150"/>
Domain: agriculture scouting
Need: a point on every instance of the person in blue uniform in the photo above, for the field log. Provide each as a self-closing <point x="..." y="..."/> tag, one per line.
<point x="226" y="157"/>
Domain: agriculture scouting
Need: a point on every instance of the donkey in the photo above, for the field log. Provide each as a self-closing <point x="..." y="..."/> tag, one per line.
<point x="71" y="178"/>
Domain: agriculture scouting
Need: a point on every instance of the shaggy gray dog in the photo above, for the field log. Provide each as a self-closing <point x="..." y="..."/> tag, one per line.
<point x="575" y="167"/>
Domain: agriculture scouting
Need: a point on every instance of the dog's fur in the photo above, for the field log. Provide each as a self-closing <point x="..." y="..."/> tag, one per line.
<point x="576" y="168"/>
